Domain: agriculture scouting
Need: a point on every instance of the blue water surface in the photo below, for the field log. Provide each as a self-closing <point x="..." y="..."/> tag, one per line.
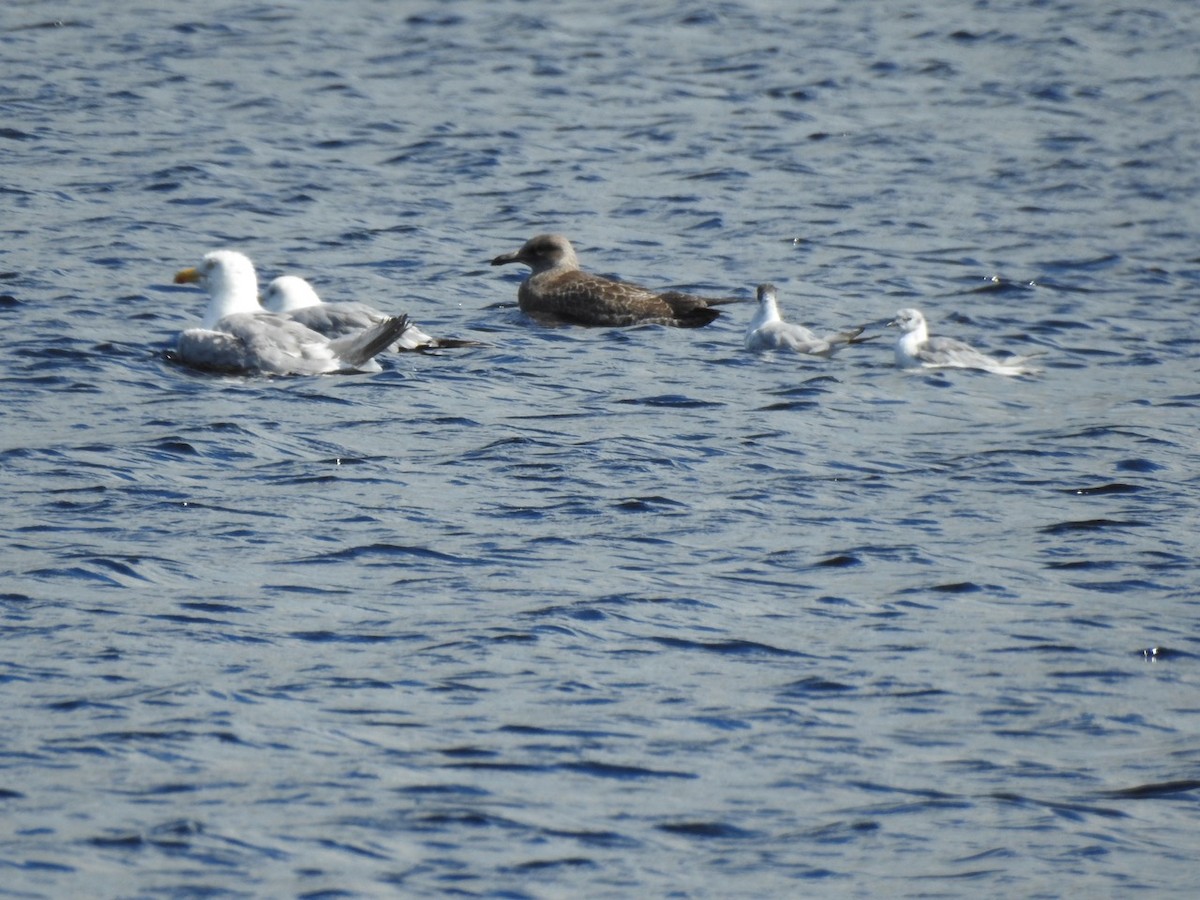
<point x="603" y="613"/>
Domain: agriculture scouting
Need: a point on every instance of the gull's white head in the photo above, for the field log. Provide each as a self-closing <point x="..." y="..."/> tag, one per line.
<point x="909" y="320"/>
<point x="289" y="292"/>
<point x="229" y="279"/>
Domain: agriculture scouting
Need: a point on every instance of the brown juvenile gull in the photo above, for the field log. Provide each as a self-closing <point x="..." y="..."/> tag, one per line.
<point x="557" y="291"/>
<point x="915" y="349"/>
<point x="294" y="297"/>
<point x="768" y="331"/>
<point x="238" y="335"/>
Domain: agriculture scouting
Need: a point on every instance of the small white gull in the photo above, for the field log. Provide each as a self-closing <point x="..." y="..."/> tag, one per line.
<point x="238" y="335"/>
<point x="768" y="331"/>
<point x="915" y="349"/>
<point x="294" y="297"/>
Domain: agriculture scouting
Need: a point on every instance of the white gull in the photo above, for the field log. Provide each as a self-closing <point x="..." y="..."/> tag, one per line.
<point x="915" y="349"/>
<point x="768" y="331"/>
<point x="294" y="297"/>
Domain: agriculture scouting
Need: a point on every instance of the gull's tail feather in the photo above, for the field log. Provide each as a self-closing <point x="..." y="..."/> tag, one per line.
<point x="451" y="344"/>
<point x="845" y="339"/>
<point x="415" y="340"/>
<point x="695" y="318"/>
<point x="684" y="297"/>
<point x="1018" y="365"/>
<point x="850" y="336"/>
<point x="363" y="346"/>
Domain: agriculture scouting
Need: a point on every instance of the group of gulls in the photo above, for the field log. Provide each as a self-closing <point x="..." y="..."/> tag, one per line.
<point x="290" y="331"/>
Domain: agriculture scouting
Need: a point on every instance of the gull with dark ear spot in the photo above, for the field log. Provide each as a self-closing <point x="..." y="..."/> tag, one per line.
<point x="915" y="349"/>
<point x="768" y="331"/>
<point x="239" y="336"/>
<point x="557" y="291"/>
<point x="294" y="297"/>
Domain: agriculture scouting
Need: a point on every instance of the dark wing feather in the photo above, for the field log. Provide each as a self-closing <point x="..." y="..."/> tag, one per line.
<point x="584" y="299"/>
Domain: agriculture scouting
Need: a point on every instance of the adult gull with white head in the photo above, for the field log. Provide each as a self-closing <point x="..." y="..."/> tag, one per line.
<point x="238" y="335"/>
<point x="294" y="297"/>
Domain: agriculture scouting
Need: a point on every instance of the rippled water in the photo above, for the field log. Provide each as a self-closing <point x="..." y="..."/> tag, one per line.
<point x="610" y="612"/>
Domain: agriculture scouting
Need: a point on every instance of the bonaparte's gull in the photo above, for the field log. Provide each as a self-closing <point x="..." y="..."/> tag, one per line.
<point x="916" y="349"/>
<point x="768" y="331"/>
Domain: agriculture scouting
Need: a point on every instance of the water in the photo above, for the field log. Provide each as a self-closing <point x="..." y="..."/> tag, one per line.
<point x="603" y="613"/>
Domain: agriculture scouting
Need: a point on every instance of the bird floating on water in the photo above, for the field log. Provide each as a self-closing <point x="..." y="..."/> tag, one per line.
<point x="239" y="336"/>
<point x="915" y="349"/>
<point x="558" y="291"/>
<point x="768" y="331"/>
<point x="294" y="297"/>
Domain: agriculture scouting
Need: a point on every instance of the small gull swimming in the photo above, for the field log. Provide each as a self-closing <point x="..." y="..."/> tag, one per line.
<point x="558" y="291"/>
<point x="238" y="335"/>
<point x="768" y="331"/>
<point x="915" y="349"/>
<point x="294" y="297"/>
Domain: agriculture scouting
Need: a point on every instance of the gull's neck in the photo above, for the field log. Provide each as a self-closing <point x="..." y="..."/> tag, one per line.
<point x="768" y="311"/>
<point x="231" y="293"/>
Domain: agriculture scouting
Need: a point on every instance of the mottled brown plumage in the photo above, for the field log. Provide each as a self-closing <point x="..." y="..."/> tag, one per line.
<point x="557" y="291"/>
